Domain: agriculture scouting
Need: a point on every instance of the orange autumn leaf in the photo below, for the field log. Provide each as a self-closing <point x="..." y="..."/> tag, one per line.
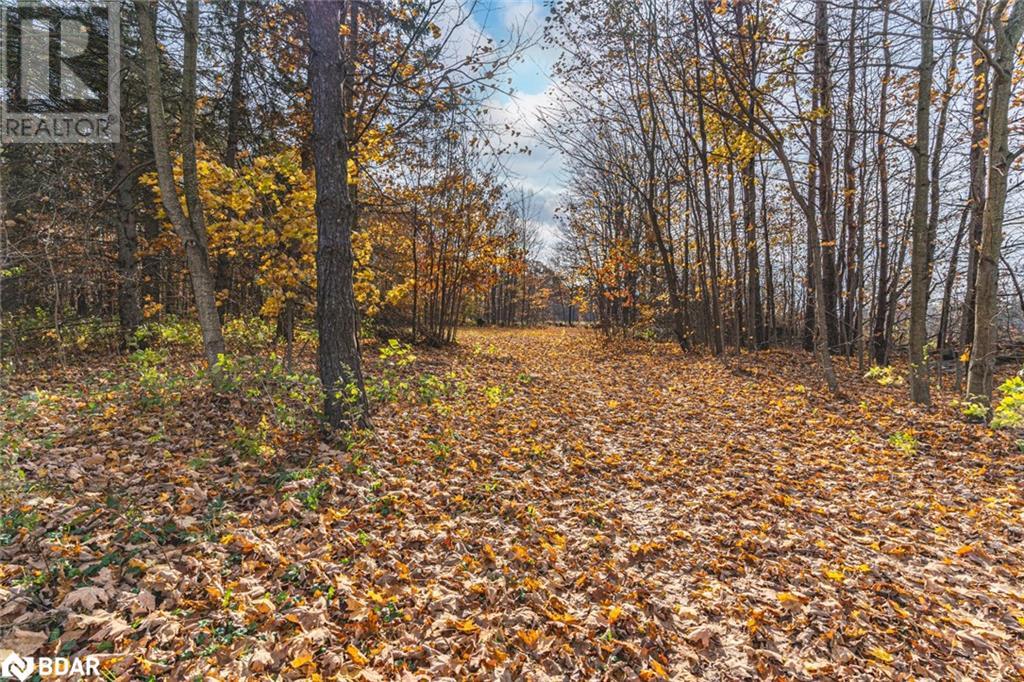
<point x="529" y="637"/>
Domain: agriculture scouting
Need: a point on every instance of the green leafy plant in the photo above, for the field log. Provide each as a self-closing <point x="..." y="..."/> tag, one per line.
<point x="254" y="443"/>
<point x="170" y="331"/>
<point x="974" y="410"/>
<point x="495" y="395"/>
<point x="394" y="355"/>
<point x="431" y="388"/>
<point x="884" y="376"/>
<point x="311" y="497"/>
<point x="904" y="441"/>
<point x="156" y="386"/>
<point x="249" y="332"/>
<point x="1009" y="413"/>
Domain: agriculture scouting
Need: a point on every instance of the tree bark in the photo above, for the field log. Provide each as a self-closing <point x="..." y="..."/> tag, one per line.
<point x="737" y="272"/>
<point x="920" y="272"/>
<point x="129" y="310"/>
<point x="978" y="169"/>
<point x="338" y="352"/>
<point x="753" y="309"/>
<point x="983" y="352"/>
<point x="879" y="342"/>
<point x="223" y="275"/>
<point x="826" y="154"/>
<point x="850" y="225"/>
<point x="194" y="243"/>
<point x="942" y="339"/>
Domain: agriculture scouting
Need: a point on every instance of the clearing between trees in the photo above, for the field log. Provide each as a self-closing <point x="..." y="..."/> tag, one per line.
<point x="531" y="504"/>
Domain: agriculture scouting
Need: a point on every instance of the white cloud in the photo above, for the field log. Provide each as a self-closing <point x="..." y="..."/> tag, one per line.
<point x="538" y="172"/>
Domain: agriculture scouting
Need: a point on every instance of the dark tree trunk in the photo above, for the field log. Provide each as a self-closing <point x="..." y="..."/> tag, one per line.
<point x="879" y="342"/>
<point x="338" y="353"/>
<point x="755" y="313"/>
<point x="978" y="168"/>
<point x="942" y="340"/>
<point x="129" y="310"/>
<point x="920" y="271"/>
<point x="223" y="274"/>
<point x="851" y="228"/>
<point x="986" y="306"/>
<point x="826" y="154"/>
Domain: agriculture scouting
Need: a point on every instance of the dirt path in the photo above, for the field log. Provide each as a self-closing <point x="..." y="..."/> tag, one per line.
<point x="543" y="504"/>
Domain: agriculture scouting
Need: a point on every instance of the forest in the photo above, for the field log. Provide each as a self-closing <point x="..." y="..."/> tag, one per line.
<point x="512" y="339"/>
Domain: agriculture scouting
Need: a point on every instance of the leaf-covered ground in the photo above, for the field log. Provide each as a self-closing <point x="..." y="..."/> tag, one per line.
<point x="533" y="505"/>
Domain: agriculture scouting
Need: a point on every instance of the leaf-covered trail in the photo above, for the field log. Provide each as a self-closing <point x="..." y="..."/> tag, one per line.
<point x="776" y="528"/>
<point x="541" y="504"/>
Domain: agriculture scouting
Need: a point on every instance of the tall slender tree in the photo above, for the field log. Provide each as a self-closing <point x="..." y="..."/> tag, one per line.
<point x="338" y="358"/>
<point x="1007" y="30"/>
<point x="190" y="229"/>
<point x="920" y="275"/>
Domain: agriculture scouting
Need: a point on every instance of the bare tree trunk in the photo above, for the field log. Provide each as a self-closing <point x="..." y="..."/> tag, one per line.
<point x="920" y="272"/>
<point x="942" y="340"/>
<point x="223" y="274"/>
<point x="983" y="352"/>
<point x="718" y="341"/>
<point x="879" y="343"/>
<point x="338" y="352"/>
<point x="826" y="198"/>
<point x="978" y="167"/>
<point x="771" y="324"/>
<point x="193" y="241"/>
<point x="737" y="273"/>
<point x="755" y="314"/>
<point x="814" y="246"/>
<point x="811" y="308"/>
<point x="416" y="275"/>
<point x="850" y="226"/>
<point x="129" y="311"/>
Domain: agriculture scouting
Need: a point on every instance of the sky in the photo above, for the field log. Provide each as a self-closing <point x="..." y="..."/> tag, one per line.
<point x="539" y="173"/>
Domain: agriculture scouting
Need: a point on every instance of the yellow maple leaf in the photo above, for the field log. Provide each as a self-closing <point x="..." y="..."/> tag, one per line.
<point x="566" y="618"/>
<point x="614" y="612"/>
<point x="881" y="654"/>
<point x="833" y="574"/>
<point x="356" y="655"/>
<point x="467" y="625"/>
<point x="304" y="658"/>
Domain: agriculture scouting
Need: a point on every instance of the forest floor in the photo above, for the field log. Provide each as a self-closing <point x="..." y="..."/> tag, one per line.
<point x="537" y="504"/>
